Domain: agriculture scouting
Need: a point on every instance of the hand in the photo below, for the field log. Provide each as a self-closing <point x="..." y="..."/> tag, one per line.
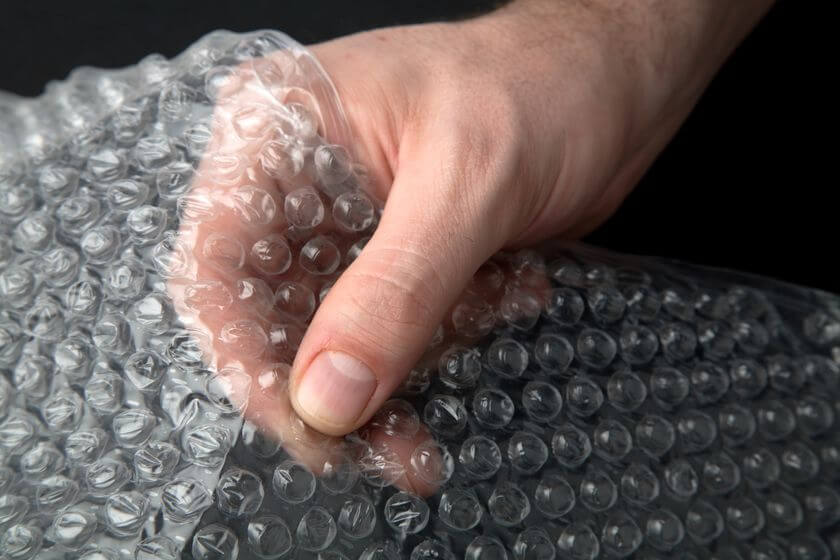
<point x="531" y="122"/>
<point x="534" y="121"/>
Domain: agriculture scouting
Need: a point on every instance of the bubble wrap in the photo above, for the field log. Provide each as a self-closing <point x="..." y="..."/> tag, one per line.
<point x="168" y="230"/>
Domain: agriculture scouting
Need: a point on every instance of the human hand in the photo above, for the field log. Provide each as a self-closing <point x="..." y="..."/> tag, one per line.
<point x="534" y="121"/>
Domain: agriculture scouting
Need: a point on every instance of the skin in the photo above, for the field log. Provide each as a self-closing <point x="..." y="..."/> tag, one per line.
<point x="533" y="121"/>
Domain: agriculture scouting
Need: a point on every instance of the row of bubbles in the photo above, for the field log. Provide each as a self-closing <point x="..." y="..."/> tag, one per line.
<point x="167" y="232"/>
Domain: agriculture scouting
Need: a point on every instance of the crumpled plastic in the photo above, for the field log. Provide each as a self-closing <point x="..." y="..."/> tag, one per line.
<point x="166" y="233"/>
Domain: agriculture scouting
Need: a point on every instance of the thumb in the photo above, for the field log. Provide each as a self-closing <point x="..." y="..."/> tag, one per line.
<point x="379" y="317"/>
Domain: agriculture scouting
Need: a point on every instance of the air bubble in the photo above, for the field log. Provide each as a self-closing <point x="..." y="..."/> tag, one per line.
<point x="406" y="513"/>
<point x="459" y="509"/>
<point x="319" y="256"/>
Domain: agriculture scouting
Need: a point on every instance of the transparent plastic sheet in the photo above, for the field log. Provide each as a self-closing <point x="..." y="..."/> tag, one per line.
<point x="166" y="233"/>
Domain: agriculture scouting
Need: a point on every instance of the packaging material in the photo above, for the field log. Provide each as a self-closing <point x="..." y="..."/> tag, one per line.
<point x="168" y="230"/>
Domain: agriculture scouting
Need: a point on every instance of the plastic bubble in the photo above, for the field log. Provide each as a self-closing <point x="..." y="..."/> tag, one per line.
<point x="239" y="492"/>
<point x="184" y="501"/>
<point x="293" y="482"/>
<point x="316" y="530"/>
<point x="406" y="513"/>
<point x="357" y="517"/>
<point x="215" y="541"/>
<point x="459" y="509"/>
<point x="319" y="256"/>
<point x="269" y="537"/>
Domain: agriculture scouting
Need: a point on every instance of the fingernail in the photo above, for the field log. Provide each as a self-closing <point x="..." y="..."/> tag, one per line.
<point x="336" y="388"/>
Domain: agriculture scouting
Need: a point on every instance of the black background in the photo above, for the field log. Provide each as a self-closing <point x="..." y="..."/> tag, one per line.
<point x="745" y="184"/>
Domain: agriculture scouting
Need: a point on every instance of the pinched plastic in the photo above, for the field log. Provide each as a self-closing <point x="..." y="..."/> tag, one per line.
<point x="168" y="230"/>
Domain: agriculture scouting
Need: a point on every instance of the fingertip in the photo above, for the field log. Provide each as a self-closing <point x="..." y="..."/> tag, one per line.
<point x="333" y="392"/>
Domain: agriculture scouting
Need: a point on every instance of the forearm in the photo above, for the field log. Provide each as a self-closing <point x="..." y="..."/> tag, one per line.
<point x="665" y="36"/>
<point x="666" y="51"/>
<point x="676" y="46"/>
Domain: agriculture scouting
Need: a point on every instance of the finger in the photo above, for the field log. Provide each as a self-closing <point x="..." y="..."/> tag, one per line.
<point x="393" y="449"/>
<point x="267" y="405"/>
<point x="382" y="312"/>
